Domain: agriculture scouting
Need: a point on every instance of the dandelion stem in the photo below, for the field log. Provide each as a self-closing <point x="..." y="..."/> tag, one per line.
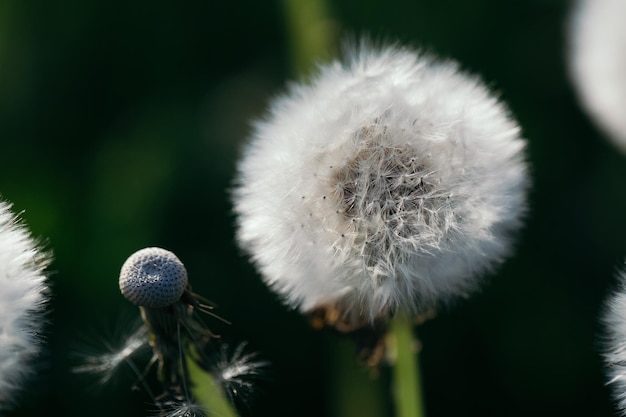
<point x="207" y="391"/>
<point x="407" y="388"/>
<point x="353" y="391"/>
<point x="311" y="32"/>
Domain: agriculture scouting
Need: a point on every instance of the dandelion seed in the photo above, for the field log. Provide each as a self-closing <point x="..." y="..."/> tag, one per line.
<point x="106" y="364"/>
<point x="22" y="301"/>
<point x="237" y="371"/>
<point x="614" y="320"/>
<point x="597" y="60"/>
<point x="181" y="408"/>
<point x="392" y="181"/>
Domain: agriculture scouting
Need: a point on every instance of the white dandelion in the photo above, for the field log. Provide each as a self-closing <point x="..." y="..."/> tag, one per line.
<point x="392" y="181"/>
<point x="614" y="319"/>
<point x="22" y="301"/>
<point x="597" y="60"/>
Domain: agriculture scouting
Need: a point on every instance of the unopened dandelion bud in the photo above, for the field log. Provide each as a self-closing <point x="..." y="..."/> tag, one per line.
<point x="153" y="278"/>
<point x="392" y="181"/>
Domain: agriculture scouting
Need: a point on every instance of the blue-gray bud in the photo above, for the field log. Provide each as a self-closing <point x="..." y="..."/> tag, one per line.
<point x="153" y="278"/>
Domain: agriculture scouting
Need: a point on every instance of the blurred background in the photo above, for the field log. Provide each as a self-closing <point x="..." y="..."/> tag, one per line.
<point x="120" y="126"/>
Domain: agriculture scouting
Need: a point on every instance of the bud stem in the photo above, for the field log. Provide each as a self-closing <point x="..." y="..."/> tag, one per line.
<point x="407" y="387"/>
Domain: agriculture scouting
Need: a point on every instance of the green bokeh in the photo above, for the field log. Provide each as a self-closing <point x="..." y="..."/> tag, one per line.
<point x="120" y="124"/>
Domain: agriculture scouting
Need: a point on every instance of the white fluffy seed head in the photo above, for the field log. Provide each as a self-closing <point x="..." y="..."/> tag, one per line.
<point x="23" y="296"/>
<point x="614" y="320"/>
<point x="153" y="278"/>
<point x="597" y="60"/>
<point x="391" y="181"/>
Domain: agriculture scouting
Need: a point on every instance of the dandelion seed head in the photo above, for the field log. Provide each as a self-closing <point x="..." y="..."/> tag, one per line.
<point x="23" y="295"/>
<point x="153" y="278"/>
<point x="392" y="181"/>
<point x="597" y="61"/>
<point x="614" y="320"/>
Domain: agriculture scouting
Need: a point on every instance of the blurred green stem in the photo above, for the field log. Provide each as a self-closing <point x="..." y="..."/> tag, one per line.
<point x="312" y="33"/>
<point x="407" y="388"/>
<point x="207" y="391"/>
<point x="313" y="38"/>
<point x="352" y="390"/>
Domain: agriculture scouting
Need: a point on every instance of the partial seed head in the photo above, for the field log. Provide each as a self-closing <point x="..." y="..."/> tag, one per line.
<point x="153" y="278"/>
<point x="23" y="301"/>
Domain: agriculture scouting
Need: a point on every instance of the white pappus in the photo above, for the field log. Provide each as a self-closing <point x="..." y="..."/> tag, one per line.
<point x="392" y="180"/>
<point x="23" y="296"/>
<point x="614" y="348"/>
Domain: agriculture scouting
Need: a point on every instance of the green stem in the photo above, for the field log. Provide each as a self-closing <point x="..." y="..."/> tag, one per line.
<point x="407" y="387"/>
<point x="352" y="390"/>
<point x="208" y="392"/>
<point x="312" y="32"/>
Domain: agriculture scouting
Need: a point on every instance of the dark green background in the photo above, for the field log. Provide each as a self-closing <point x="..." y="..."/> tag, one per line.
<point x="120" y="123"/>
